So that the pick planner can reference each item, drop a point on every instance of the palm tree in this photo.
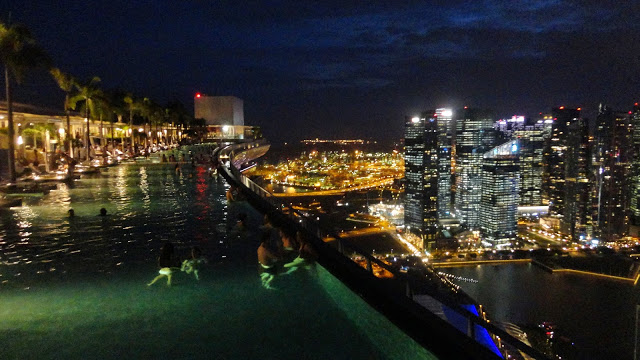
(178, 115)
(87, 93)
(18, 52)
(103, 110)
(66, 83)
(153, 114)
(134, 105)
(118, 110)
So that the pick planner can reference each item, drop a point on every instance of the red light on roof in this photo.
(561, 107)
(636, 104)
(630, 112)
(198, 95)
(579, 109)
(466, 107)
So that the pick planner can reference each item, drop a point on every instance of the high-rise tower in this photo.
(421, 173)
(530, 136)
(566, 171)
(635, 166)
(446, 131)
(611, 170)
(474, 136)
(499, 199)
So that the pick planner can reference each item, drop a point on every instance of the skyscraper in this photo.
(578, 176)
(611, 170)
(474, 136)
(446, 131)
(421, 173)
(566, 171)
(635, 166)
(498, 216)
(530, 136)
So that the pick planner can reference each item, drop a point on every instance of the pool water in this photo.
(75, 288)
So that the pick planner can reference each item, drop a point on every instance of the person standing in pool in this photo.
(307, 255)
(194, 264)
(167, 263)
(268, 259)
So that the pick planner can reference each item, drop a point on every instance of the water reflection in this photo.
(596, 313)
(146, 203)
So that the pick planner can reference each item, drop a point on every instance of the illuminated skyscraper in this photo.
(446, 131)
(421, 173)
(498, 216)
(611, 168)
(530, 136)
(567, 171)
(635, 166)
(474, 136)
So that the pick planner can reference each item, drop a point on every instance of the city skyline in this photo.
(324, 70)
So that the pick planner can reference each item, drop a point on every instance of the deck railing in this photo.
(393, 298)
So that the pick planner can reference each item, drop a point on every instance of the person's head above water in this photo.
(71, 213)
(103, 212)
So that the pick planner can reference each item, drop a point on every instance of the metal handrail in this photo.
(312, 226)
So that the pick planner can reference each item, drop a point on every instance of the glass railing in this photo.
(467, 319)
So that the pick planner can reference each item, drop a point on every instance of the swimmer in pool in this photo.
(167, 264)
(193, 265)
(267, 259)
(306, 255)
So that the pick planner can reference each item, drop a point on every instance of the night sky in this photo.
(335, 70)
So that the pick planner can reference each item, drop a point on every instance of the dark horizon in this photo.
(335, 70)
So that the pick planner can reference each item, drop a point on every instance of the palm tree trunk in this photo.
(102, 144)
(86, 114)
(69, 135)
(131, 129)
(12, 155)
(146, 137)
(113, 144)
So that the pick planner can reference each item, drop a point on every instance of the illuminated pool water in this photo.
(74, 288)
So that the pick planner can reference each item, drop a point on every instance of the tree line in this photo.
(20, 53)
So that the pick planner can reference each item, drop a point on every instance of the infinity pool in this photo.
(75, 288)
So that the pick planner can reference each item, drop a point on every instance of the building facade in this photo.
(634, 202)
(219, 110)
(612, 173)
(446, 130)
(530, 136)
(474, 136)
(498, 217)
(421, 173)
(567, 174)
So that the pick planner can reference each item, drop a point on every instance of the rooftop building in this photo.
(219, 110)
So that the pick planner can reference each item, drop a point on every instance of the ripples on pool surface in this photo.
(74, 288)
